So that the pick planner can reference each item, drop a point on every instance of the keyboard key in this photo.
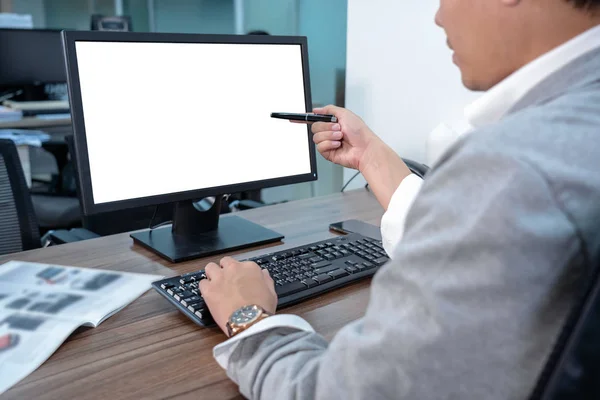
(306, 256)
(338, 273)
(352, 270)
(200, 313)
(190, 300)
(351, 263)
(196, 306)
(320, 264)
(167, 286)
(323, 278)
(314, 248)
(315, 259)
(183, 295)
(381, 260)
(325, 270)
(309, 283)
(329, 257)
(289, 288)
(368, 265)
(328, 244)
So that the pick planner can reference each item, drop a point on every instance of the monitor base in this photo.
(233, 233)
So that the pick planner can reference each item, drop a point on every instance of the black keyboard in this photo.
(299, 273)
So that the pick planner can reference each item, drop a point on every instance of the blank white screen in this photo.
(171, 117)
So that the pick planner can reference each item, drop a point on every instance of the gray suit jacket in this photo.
(488, 268)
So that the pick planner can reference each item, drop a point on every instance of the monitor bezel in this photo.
(89, 207)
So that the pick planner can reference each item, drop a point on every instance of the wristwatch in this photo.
(244, 317)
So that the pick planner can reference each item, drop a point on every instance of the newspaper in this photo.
(41, 305)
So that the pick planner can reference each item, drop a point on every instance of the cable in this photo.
(151, 227)
(351, 179)
(161, 224)
(153, 216)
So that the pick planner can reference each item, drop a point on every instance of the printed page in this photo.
(86, 296)
(41, 305)
(26, 341)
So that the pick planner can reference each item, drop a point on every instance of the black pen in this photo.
(306, 117)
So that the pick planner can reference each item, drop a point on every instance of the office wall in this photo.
(324, 24)
(400, 76)
(138, 11)
(36, 8)
(278, 17)
(201, 16)
(104, 7)
(67, 14)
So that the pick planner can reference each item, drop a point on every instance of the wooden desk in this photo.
(150, 350)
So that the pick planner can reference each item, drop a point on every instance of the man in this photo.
(486, 262)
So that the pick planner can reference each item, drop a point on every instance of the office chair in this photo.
(416, 168)
(18, 223)
(101, 22)
(572, 369)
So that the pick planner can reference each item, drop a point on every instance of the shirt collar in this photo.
(497, 102)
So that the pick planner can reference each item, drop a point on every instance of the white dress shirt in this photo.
(488, 109)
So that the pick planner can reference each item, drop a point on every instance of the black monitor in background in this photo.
(174, 118)
(31, 58)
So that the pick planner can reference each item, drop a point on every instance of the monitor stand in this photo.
(199, 233)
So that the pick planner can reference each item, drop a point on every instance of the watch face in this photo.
(245, 315)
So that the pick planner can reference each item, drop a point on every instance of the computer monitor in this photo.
(31, 56)
(163, 118)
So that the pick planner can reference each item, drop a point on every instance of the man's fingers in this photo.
(328, 145)
(329, 135)
(267, 276)
(330, 109)
(203, 286)
(213, 271)
(270, 282)
(227, 262)
(325, 126)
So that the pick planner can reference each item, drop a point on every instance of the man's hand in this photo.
(352, 144)
(234, 284)
(345, 142)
